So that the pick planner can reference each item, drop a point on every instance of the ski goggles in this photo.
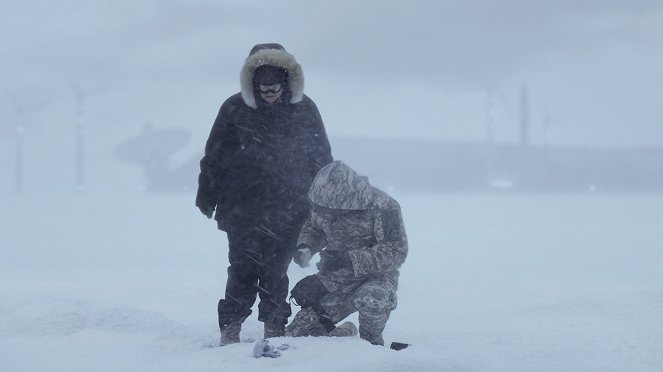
(270, 91)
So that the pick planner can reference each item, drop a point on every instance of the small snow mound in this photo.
(60, 316)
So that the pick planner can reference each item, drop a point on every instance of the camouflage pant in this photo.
(374, 300)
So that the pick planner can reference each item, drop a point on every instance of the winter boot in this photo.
(305, 323)
(347, 329)
(230, 334)
(274, 330)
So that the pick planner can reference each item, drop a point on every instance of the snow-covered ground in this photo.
(492, 283)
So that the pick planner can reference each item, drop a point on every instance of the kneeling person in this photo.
(358, 231)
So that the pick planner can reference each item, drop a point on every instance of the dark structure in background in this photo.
(412, 165)
(153, 150)
(434, 166)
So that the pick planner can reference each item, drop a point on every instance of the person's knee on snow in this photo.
(374, 302)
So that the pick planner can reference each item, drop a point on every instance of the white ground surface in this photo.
(492, 283)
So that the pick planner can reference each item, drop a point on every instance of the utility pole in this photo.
(490, 118)
(524, 117)
(19, 130)
(19, 159)
(489, 162)
(547, 127)
(79, 135)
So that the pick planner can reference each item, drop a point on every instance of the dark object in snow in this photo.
(264, 348)
(398, 345)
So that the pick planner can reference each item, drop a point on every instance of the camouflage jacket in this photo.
(374, 238)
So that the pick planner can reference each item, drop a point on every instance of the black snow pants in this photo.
(259, 257)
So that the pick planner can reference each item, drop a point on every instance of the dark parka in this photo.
(260, 159)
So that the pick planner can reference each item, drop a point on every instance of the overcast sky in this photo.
(433, 69)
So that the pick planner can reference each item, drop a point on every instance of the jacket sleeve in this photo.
(319, 149)
(390, 249)
(311, 235)
(211, 170)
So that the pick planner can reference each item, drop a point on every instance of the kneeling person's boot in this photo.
(274, 330)
(347, 329)
(230, 334)
(305, 323)
(375, 339)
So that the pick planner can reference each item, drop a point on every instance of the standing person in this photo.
(264, 149)
(359, 232)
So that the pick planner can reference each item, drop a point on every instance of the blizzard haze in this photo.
(98, 274)
(387, 69)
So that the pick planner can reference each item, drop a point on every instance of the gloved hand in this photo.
(207, 210)
(333, 260)
(303, 255)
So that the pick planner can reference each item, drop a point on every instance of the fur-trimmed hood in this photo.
(275, 55)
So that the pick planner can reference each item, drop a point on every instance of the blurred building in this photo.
(433, 166)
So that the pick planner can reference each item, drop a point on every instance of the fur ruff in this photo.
(274, 57)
